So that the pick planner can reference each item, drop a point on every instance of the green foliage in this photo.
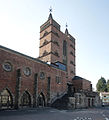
(101, 85)
(107, 85)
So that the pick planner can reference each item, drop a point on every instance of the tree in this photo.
(107, 85)
(101, 85)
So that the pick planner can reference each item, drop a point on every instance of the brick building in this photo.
(81, 84)
(42, 81)
(104, 96)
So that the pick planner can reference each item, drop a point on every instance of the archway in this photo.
(6, 100)
(92, 102)
(88, 102)
(41, 100)
(26, 99)
(70, 89)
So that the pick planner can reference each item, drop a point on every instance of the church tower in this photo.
(57, 47)
(49, 37)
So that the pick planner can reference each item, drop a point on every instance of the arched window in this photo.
(64, 48)
(48, 88)
(26, 99)
(6, 99)
(45, 33)
(41, 100)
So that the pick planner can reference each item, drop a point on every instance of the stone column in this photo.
(90, 102)
(18, 80)
(35, 90)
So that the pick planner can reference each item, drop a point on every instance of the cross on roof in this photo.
(50, 10)
(66, 25)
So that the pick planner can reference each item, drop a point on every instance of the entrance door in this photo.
(5, 99)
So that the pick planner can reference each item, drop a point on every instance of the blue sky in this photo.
(88, 22)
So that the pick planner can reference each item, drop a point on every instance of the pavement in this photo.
(54, 114)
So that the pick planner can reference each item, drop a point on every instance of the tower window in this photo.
(56, 34)
(71, 53)
(72, 39)
(45, 42)
(58, 79)
(45, 53)
(72, 46)
(72, 71)
(64, 48)
(55, 42)
(46, 33)
(56, 53)
(71, 62)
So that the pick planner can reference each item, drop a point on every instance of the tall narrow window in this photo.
(48, 89)
(64, 48)
(26, 99)
(18, 74)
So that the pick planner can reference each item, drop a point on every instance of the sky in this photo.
(88, 22)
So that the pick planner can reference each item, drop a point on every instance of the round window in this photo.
(27, 71)
(7, 66)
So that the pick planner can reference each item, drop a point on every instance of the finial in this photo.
(50, 10)
(50, 15)
(66, 25)
(66, 31)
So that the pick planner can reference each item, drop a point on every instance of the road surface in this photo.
(54, 114)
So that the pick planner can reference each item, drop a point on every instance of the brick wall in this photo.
(18, 61)
(81, 84)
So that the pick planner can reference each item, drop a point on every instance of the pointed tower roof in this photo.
(66, 30)
(50, 16)
(50, 22)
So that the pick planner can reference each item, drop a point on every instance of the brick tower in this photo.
(57, 47)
